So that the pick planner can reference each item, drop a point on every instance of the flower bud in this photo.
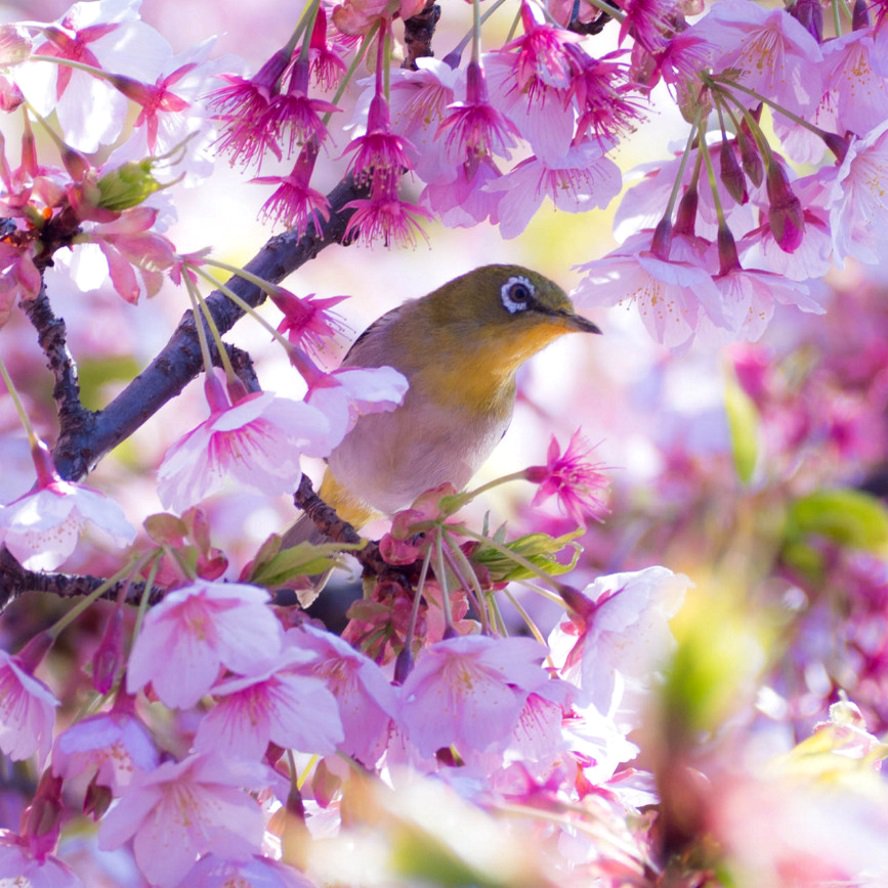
(785, 214)
(809, 14)
(108, 656)
(749, 155)
(860, 19)
(127, 186)
(97, 799)
(686, 218)
(661, 243)
(731, 174)
(728, 260)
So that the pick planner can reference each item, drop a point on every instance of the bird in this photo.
(459, 348)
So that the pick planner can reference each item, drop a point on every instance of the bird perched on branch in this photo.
(459, 348)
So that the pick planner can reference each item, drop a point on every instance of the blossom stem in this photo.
(309, 14)
(457, 50)
(676, 185)
(146, 595)
(468, 495)
(476, 31)
(230, 375)
(528, 620)
(441, 571)
(19, 407)
(133, 565)
(359, 55)
(199, 326)
(713, 185)
(837, 17)
(417, 600)
(468, 572)
(714, 80)
(607, 9)
(240, 303)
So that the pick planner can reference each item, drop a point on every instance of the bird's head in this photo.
(504, 313)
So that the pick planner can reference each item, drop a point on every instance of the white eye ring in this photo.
(516, 294)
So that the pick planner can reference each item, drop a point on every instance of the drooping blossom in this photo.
(19, 278)
(27, 711)
(668, 294)
(181, 810)
(584, 178)
(197, 630)
(469, 691)
(277, 704)
(136, 255)
(858, 201)
(351, 392)
(20, 865)
(572, 478)
(112, 748)
(308, 321)
(612, 650)
(367, 702)
(326, 65)
(41, 527)
(294, 203)
(357, 17)
(386, 219)
(256, 442)
(108, 35)
(240, 107)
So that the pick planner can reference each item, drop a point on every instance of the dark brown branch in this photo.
(418, 33)
(81, 446)
(326, 520)
(16, 580)
(52, 336)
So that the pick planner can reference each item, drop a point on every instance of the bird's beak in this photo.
(575, 322)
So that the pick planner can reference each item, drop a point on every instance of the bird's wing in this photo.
(368, 350)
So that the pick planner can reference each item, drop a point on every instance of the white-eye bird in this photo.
(459, 348)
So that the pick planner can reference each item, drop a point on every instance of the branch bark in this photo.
(87, 438)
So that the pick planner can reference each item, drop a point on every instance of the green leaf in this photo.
(849, 517)
(538, 548)
(274, 566)
(743, 424)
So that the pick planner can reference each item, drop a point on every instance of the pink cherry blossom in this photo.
(294, 203)
(41, 528)
(468, 199)
(278, 704)
(615, 647)
(129, 246)
(385, 218)
(107, 35)
(181, 810)
(197, 630)
(572, 478)
(27, 711)
(19, 865)
(367, 702)
(470, 692)
(773, 53)
(255, 872)
(256, 443)
(349, 393)
(858, 205)
(584, 178)
(667, 293)
(111, 748)
(19, 278)
(308, 322)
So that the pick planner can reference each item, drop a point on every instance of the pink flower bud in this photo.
(749, 155)
(860, 19)
(728, 260)
(731, 173)
(661, 242)
(785, 214)
(686, 217)
(108, 656)
(809, 14)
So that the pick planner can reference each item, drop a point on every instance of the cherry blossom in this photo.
(255, 442)
(181, 810)
(366, 700)
(195, 631)
(277, 704)
(618, 643)
(213, 871)
(469, 692)
(19, 865)
(27, 711)
(570, 477)
(41, 527)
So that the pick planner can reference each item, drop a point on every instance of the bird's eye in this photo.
(516, 294)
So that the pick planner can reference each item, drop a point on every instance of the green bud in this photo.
(127, 186)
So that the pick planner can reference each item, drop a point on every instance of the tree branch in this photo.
(81, 445)
(418, 33)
